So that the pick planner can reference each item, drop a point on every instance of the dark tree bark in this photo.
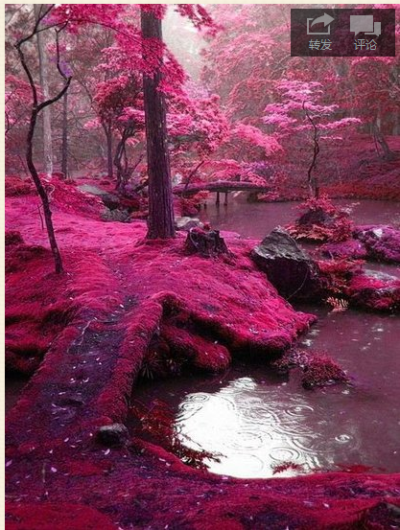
(120, 158)
(208, 243)
(35, 111)
(64, 145)
(161, 213)
(381, 145)
(109, 138)
(44, 83)
(312, 181)
(42, 193)
(191, 175)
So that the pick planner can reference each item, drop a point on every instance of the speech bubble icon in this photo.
(361, 23)
(377, 28)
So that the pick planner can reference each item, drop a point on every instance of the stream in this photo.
(255, 420)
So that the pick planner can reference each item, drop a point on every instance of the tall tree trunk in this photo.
(109, 153)
(381, 145)
(110, 161)
(43, 66)
(64, 146)
(312, 180)
(118, 162)
(161, 213)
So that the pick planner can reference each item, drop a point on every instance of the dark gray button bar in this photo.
(343, 32)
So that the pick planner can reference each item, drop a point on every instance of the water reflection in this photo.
(256, 420)
(256, 427)
(257, 220)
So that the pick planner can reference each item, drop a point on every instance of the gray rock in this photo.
(287, 266)
(121, 216)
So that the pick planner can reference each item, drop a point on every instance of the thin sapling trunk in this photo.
(35, 111)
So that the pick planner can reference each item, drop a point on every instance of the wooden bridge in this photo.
(221, 186)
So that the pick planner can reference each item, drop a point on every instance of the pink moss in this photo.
(15, 186)
(140, 325)
(157, 422)
(322, 371)
(375, 291)
(12, 237)
(83, 468)
(350, 249)
(120, 292)
(202, 353)
(55, 516)
(285, 466)
(338, 273)
(68, 198)
(362, 288)
(382, 242)
(321, 220)
(36, 311)
(318, 369)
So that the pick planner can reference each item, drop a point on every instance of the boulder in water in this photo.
(288, 267)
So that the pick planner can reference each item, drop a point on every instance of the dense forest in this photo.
(190, 203)
(234, 100)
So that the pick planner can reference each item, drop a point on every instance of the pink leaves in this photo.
(119, 101)
(256, 137)
(196, 121)
(299, 98)
(198, 15)
(75, 15)
(158, 10)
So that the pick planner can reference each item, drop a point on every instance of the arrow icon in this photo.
(326, 19)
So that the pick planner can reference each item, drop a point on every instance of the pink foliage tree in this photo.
(119, 103)
(197, 127)
(302, 115)
(138, 35)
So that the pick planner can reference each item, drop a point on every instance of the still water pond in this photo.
(257, 220)
(256, 419)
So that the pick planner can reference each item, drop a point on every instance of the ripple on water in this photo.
(311, 444)
(244, 383)
(351, 443)
(344, 438)
(246, 401)
(205, 404)
(243, 465)
(249, 440)
(286, 454)
(261, 416)
(198, 397)
(190, 407)
(299, 411)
